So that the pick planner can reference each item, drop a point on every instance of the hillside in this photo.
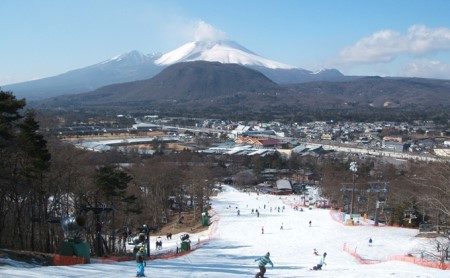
(211, 85)
(183, 82)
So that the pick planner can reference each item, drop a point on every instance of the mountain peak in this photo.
(132, 57)
(223, 51)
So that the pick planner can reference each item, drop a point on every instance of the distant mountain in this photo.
(181, 82)
(137, 66)
(297, 75)
(131, 66)
(212, 85)
(226, 52)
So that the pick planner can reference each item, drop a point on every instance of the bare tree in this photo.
(434, 178)
(198, 179)
(157, 180)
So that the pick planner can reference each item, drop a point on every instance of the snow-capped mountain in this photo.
(135, 66)
(131, 58)
(230, 52)
(223, 51)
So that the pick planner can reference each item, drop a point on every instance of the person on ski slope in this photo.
(321, 262)
(262, 261)
(140, 260)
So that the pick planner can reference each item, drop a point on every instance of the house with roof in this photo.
(283, 187)
(258, 142)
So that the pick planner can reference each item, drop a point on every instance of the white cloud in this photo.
(197, 30)
(205, 31)
(384, 46)
(426, 69)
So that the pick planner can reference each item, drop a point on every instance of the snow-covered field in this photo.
(234, 241)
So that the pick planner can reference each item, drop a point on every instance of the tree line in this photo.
(43, 180)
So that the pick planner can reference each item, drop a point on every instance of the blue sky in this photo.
(41, 38)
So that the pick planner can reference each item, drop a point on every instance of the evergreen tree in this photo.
(10, 115)
(33, 159)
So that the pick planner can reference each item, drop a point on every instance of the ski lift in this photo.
(362, 199)
(382, 199)
(387, 210)
(409, 214)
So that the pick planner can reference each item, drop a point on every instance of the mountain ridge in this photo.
(134, 65)
(211, 85)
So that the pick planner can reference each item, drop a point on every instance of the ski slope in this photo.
(234, 241)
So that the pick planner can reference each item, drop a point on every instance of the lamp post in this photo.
(353, 168)
(146, 230)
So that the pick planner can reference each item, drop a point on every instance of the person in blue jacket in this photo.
(262, 261)
(140, 261)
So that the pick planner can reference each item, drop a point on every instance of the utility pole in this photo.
(353, 168)
(349, 187)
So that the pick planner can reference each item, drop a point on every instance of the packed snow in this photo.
(218, 51)
(234, 240)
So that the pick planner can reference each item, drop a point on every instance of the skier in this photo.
(262, 261)
(169, 236)
(140, 260)
(158, 243)
(262, 230)
(370, 241)
(310, 223)
(321, 262)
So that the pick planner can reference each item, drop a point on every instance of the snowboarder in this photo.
(321, 262)
(140, 260)
(370, 241)
(262, 261)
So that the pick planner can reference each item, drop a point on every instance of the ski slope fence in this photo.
(409, 259)
(61, 260)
